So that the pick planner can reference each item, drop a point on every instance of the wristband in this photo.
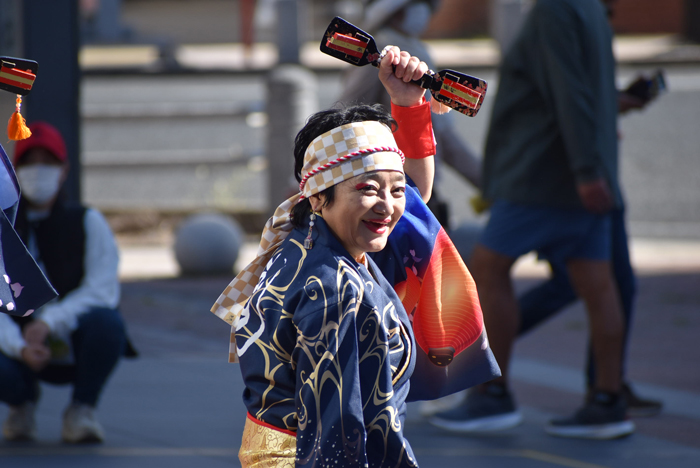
(415, 133)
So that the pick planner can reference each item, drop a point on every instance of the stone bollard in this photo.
(208, 244)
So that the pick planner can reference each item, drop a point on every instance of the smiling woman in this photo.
(325, 345)
(365, 212)
(321, 303)
(363, 166)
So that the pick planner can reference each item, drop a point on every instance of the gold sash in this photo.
(264, 447)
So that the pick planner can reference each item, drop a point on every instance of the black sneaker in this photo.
(639, 407)
(603, 416)
(486, 409)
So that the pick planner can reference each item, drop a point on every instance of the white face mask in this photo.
(416, 17)
(39, 182)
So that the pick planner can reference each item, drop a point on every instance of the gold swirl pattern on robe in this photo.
(263, 447)
(302, 348)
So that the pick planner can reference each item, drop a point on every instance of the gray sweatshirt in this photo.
(554, 121)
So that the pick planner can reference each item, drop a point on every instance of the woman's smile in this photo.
(365, 210)
(378, 226)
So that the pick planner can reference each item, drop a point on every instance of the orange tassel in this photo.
(17, 127)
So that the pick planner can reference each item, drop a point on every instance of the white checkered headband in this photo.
(348, 151)
(335, 156)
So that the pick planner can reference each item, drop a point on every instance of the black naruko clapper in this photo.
(461, 92)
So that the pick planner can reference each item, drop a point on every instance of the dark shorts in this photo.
(556, 234)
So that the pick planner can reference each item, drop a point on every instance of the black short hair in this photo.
(320, 123)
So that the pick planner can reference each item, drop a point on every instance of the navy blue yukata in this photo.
(326, 351)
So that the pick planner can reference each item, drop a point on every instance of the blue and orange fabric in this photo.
(440, 296)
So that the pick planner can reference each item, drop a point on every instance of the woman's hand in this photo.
(397, 70)
(595, 196)
(36, 356)
(36, 332)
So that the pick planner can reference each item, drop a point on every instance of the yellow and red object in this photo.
(347, 44)
(17, 78)
(460, 93)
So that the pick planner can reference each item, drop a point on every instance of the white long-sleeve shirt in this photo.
(98, 288)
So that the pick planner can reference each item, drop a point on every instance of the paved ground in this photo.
(179, 403)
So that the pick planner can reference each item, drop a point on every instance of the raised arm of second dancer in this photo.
(397, 70)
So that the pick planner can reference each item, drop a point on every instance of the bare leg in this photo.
(594, 283)
(491, 272)
(603, 414)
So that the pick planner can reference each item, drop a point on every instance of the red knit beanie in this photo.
(44, 135)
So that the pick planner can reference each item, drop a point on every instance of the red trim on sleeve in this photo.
(415, 133)
(270, 426)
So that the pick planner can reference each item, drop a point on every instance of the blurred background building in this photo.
(455, 19)
(175, 111)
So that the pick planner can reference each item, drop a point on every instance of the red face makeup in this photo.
(365, 210)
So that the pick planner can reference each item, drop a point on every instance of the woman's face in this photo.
(365, 210)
